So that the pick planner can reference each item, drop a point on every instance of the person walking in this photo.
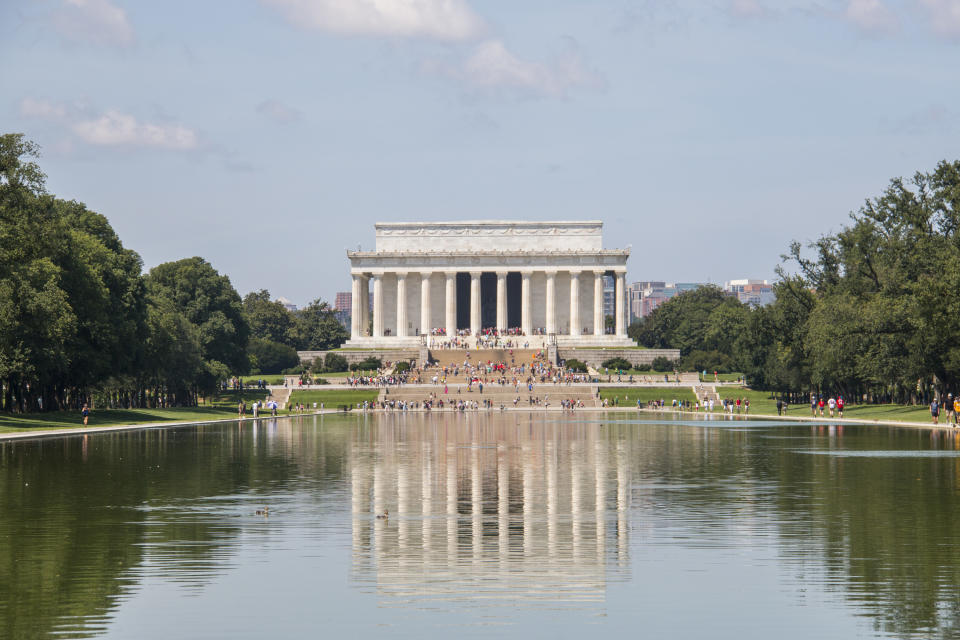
(813, 405)
(840, 405)
(85, 413)
(935, 411)
(832, 404)
(779, 406)
(956, 410)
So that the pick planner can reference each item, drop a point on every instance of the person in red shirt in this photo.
(840, 404)
(820, 404)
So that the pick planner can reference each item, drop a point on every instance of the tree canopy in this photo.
(80, 320)
(869, 310)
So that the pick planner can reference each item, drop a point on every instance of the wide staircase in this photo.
(452, 359)
(281, 395)
(705, 393)
(505, 396)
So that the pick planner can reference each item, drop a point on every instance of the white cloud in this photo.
(871, 15)
(492, 65)
(32, 108)
(278, 111)
(112, 128)
(120, 129)
(96, 21)
(944, 16)
(438, 19)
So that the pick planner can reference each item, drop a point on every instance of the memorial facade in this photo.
(537, 281)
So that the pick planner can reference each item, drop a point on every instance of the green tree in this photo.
(268, 319)
(211, 304)
(267, 356)
(316, 328)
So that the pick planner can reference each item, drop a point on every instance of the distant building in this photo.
(755, 293)
(609, 296)
(343, 301)
(289, 306)
(645, 296)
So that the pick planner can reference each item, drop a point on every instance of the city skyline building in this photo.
(755, 293)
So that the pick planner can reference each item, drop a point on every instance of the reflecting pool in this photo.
(514, 524)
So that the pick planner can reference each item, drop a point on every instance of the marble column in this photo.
(475, 303)
(378, 305)
(575, 327)
(355, 308)
(621, 293)
(551, 302)
(502, 300)
(526, 313)
(598, 319)
(451, 304)
(425, 326)
(364, 305)
(401, 304)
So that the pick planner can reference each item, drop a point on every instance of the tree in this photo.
(268, 319)
(315, 328)
(210, 303)
(267, 356)
(334, 363)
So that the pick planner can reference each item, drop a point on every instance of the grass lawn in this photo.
(764, 402)
(722, 377)
(230, 399)
(629, 395)
(268, 378)
(333, 398)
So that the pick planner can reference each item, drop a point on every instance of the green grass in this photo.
(268, 378)
(723, 377)
(629, 395)
(15, 423)
(333, 398)
(230, 399)
(764, 402)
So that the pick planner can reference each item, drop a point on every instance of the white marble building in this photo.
(542, 278)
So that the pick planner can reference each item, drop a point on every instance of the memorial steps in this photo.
(456, 357)
(499, 395)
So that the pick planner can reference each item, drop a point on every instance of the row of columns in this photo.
(361, 284)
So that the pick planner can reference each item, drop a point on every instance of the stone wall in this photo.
(357, 355)
(594, 357)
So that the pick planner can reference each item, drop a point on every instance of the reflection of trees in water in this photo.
(476, 502)
(886, 528)
(86, 518)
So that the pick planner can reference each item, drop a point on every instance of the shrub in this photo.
(271, 357)
(575, 365)
(642, 367)
(334, 363)
(368, 364)
(708, 361)
(621, 364)
(660, 363)
(402, 367)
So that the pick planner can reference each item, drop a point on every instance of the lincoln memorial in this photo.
(434, 280)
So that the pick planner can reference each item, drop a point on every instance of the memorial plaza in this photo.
(438, 284)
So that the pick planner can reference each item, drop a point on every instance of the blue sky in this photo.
(269, 135)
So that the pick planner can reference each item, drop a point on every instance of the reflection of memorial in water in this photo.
(520, 511)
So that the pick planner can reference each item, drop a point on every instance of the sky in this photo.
(268, 136)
